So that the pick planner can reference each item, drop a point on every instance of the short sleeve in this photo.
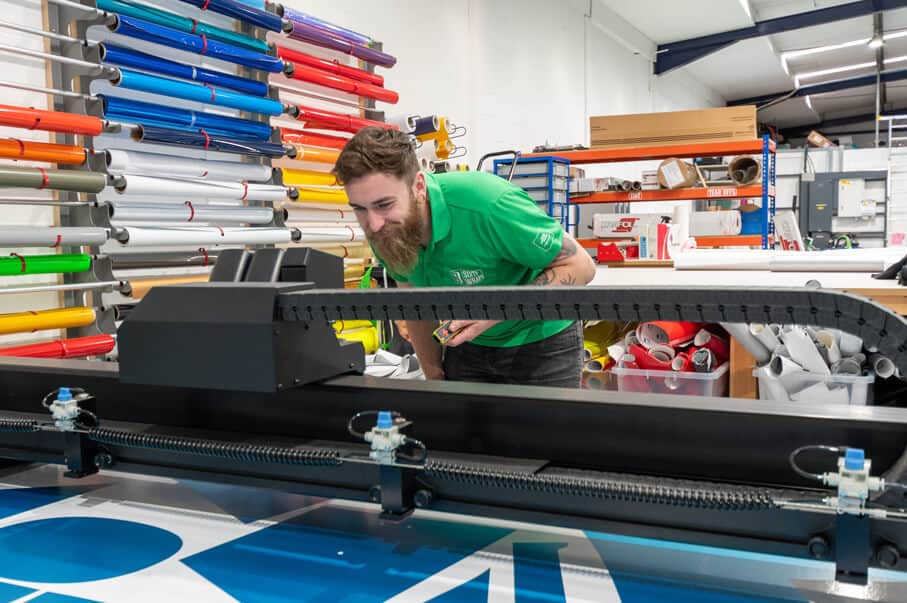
(522, 233)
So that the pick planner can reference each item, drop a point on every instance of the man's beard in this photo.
(399, 244)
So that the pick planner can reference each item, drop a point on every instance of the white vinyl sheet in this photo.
(304, 214)
(134, 184)
(338, 234)
(211, 236)
(803, 351)
(138, 212)
(153, 164)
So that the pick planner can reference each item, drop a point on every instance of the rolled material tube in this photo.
(41, 320)
(152, 114)
(149, 164)
(134, 80)
(173, 38)
(349, 34)
(367, 337)
(338, 82)
(847, 366)
(597, 364)
(425, 125)
(323, 196)
(242, 12)
(791, 375)
(64, 154)
(319, 119)
(204, 235)
(138, 212)
(335, 234)
(79, 347)
(64, 180)
(293, 177)
(51, 236)
(592, 349)
(319, 37)
(830, 341)
(850, 345)
(209, 189)
(157, 16)
(301, 214)
(171, 136)
(44, 264)
(314, 154)
(765, 335)
(314, 139)
(50, 121)
(803, 351)
(304, 58)
(350, 325)
(139, 288)
(126, 57)
(882, 366)
(744, 170)
(141, 261)
(742, 334)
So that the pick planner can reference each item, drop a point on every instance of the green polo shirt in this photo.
(487, 232)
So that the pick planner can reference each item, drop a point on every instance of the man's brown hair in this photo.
(375, 149)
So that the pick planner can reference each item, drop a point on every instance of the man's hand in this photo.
(468, 330)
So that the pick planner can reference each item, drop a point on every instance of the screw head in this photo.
(888, 556)
(818, 547)
(374, 494)
(423, 498)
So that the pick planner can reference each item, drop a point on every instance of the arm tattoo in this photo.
(568, 249)
(545, 277)
(568, 280)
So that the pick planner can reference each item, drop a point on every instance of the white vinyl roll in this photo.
(766, 335)
(44, 236)
(715, 223)
(742, 334)
(850, 345)
(791, 375)
(335, 234)
(208, 189)
(152, 164)
(140, 212)
(210, 236)
(304, 214)
(830, 340)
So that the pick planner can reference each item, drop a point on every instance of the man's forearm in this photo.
(571, 266)
(428, 351)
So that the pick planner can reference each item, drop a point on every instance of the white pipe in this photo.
(741, 333)
(882, 366)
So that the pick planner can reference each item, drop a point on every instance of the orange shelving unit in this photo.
(766, 191)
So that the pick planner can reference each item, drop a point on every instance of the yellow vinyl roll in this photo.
(352, 325)
(40, 320)
(337, 196)
(355, 249)
(354, 271)
(367, 337)
(593, 349)
(141, 286)
(293, 177)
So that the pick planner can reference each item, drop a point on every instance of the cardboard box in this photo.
(817, 140)
(723, 124)
(674, 173)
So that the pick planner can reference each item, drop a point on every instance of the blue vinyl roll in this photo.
(165, 36)
(259, 4)
(125, 57)
(132, 111)
(135, 80)
(241, 11)
(212, 143)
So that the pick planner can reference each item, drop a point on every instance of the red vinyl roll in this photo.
(646, 361)
(296, 56)
(318, 119)
(667, 332)
(51, 121)
(719, 347)
(314, 139)
(79, 347)
(344, 84)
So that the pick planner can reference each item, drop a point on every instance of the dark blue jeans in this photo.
(556, 361)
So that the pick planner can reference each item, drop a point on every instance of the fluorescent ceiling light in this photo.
(853, 67)
(790, 54)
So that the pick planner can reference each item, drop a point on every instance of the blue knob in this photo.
(64, 395)
(854, 459)
(385, 420)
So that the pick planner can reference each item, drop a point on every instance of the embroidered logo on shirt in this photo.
(467, 277)
(543, 240)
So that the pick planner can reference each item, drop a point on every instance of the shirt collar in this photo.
(440, 215)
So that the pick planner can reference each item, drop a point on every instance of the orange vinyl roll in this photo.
(13, 148)
(314, 139)
(141, 287)
(306, 153)
(51, 121)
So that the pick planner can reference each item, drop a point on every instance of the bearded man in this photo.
(466, 229)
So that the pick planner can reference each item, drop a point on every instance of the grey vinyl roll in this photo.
(141, 212)
(63, 180)
(49, 236)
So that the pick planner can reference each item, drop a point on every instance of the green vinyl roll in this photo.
(64, 180)
(44, 264)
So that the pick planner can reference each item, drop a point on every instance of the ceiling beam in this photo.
(803, 130)
(823, 88)
(677, 54)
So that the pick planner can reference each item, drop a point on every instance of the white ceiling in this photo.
(755, 67)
